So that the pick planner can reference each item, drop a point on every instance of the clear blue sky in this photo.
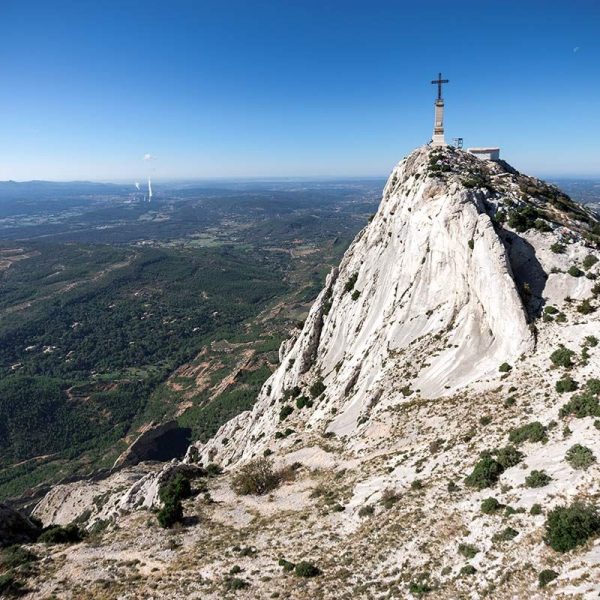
(291, 87)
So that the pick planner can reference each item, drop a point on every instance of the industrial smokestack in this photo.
(149, 190)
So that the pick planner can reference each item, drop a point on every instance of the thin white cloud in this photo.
(148, 156)
(576, 49)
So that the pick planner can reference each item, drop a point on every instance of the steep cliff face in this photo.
(424, 302)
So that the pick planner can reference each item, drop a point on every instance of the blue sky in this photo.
(291, 88)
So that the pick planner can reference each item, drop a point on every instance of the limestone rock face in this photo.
(425, 301)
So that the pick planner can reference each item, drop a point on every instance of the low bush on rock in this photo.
(306, 569)
(562, 357)
(566, 384)
(546, 576)
(490, 506)
(537, 479)
(531, 432)
(467, 550)
(581, 405)
(485, 473)
(256, 478)
(505, 535)
(56, 534)
(580, 457)
(570, 526)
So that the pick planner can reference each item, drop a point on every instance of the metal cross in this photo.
(439, 82)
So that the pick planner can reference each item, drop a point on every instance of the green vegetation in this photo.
(306, 569)
(558, 248)
(171, 493)
(584, 404)
(285, 411)
(566, 384)
(531, 432)
(505, 535)
(485, 473)
(317, 388)
(589, 261)
(536, 509)
(467, 550)
(562, 357)
(504, 367)
(546, 576)
(508, 456)
(585, 307)
(580, 457)
(256, 478)
(570, 526)
(575, 271)
(537, 479)
(490, 506)
(56, 534)
(349, 285)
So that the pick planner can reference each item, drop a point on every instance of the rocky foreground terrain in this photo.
(432, 431)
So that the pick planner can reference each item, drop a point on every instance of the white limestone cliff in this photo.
(424, 301)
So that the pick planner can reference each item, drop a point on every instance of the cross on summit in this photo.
(438, 126)
(439, 82)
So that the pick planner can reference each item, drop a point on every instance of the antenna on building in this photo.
(458, 143)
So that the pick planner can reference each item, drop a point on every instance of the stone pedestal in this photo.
(438, 126)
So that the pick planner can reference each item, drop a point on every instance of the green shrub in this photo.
(349, 286)
(303, 401)
(532, 432)
(546, 576)
(256, 477)
(355, 295)
(471, 244)
(589, 261)
(285, 411)
(16, 556)
(593, 385)
(467, 550)
(178, 488)
(485, 473)
(508, 456)
(235, 583)
(419, 588)
(505, 535)
(366, 511)
(504, 367)
(56, 534)
(580, 457)
(286, 565)
(558, 248)
(591, 340)
(562, 357)
(575, 271)
(213, 470)
(536, 509)
(566, 384)
(537, 479)
(306, 569)
(570, 526)
(585, 307)
(490, 506)
(550, 310)
(170, 513)
(581, 405)
(317, 388)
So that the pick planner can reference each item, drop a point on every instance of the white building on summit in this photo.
(438, 126)
(486, 153)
